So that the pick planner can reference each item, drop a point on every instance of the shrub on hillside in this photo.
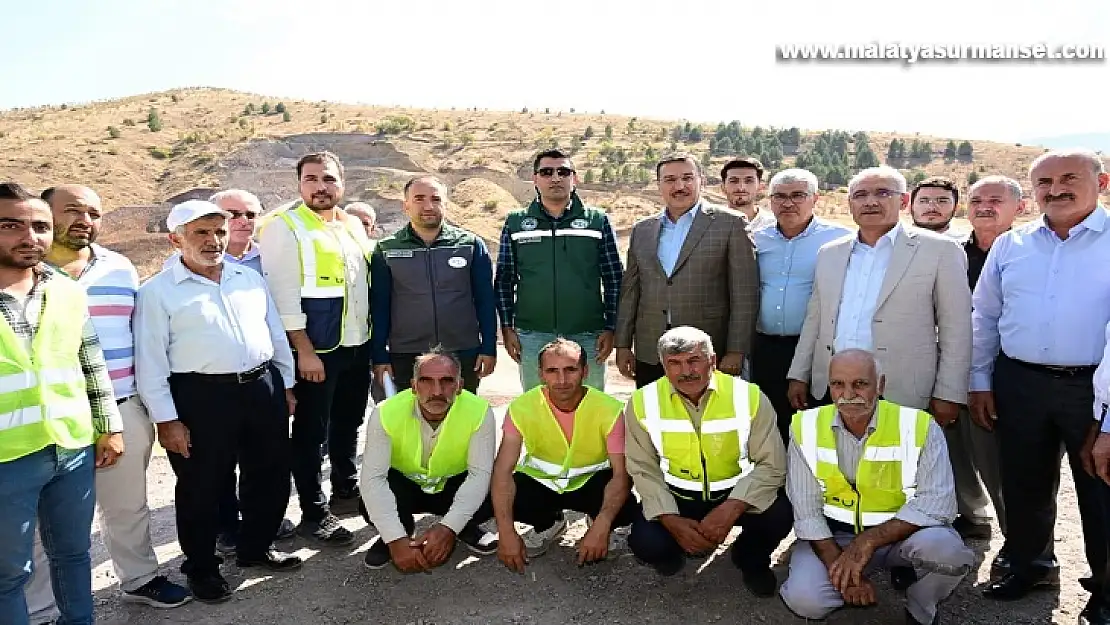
(396, 124)
(286, 116)
(280, 107)
(265, 108)
(154, 120)
(114, 132)
(128, 122)
(160, 153)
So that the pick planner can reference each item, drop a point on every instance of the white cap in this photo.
(192, 210)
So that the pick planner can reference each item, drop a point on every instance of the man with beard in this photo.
(741, 182)
(1041, 308)
(110, 282)
(214, 369)
(787, 263)
(52, 436)
(693, 264)
(366, 214)
(432, 286)
(558, 273)
(871, 488)
(315, 258)
(933, 204)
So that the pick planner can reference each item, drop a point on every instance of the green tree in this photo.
(724, 146)
(917, 177)
(248, 109)
(153, 120)
(589, 177)
(280, 107)
(964, 150)
(950, 150)
(265, 108)
(608, 131)
(286, 116)
(865, 157)
(695, 135)
(973, 177)
(589, 132)
(706, 159)
(607, 174)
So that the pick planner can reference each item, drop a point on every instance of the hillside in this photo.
(143, 152)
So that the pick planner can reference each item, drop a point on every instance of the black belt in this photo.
(1056, 370)
(235, 378)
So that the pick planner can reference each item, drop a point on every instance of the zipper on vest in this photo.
(431, 273)
(554, 276)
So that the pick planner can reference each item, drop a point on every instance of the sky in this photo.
(699, 60)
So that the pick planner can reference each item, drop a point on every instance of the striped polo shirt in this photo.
(110, 280)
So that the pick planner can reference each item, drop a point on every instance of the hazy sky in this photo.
(684, 59)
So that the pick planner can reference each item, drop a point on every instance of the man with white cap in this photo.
(213, 407)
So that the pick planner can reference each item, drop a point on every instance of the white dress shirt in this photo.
(1102, 385)
(186, 323)
(860, 295)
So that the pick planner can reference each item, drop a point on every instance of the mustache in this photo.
(857, 401)
(689, 377)
(1063, 196)
(30, 248)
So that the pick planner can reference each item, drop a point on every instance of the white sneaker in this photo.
(537, 543)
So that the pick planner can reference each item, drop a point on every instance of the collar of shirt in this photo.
(688, 216)
(838, 424)
(182, 273)
(251, 253)
(710, 389)
(889, 237)
(1095, 221)
(776, 232)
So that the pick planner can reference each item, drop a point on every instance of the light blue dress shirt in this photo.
(786, 268)
(862, 282)
(252, 258)
(671, 237)
(1041, 299)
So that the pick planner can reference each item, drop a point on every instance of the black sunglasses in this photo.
(547, 172)
(247, 214)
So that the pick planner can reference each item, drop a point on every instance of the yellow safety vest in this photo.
(42, 394)
(547, 457)
(452, 447)
(887, 473)
(323, 276)
(713, 460)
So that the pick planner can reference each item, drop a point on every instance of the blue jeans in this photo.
(52, 488)
(532, 342)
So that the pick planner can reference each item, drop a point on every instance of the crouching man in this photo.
(872, 487)
(573, 441)
(429, 449)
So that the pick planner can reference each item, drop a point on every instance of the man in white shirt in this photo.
(214, 368)
(742, 182)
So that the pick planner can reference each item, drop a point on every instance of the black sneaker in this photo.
(273, 560)
(377, 557)
(209, 588)
(478, 541)
(286, 531)
(762, 581)
(326, 531)
(345, 502)
(159, 593)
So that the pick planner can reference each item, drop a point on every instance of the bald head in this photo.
(365, 213)
(77, 211)
(855, 383)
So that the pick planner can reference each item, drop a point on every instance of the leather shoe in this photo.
(209, 587)
(902, 577)
(762, 582)
(1014, 586)
(1097, 612)
(910, 620)
(273, 560)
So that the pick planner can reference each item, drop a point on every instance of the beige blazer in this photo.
(921, 330)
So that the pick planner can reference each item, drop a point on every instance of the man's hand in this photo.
(1100, 456)
(512, 343)
(379, 375)
(174, 436)
(604, 346)
(847, 571)
(594, 546)
(109, 447)
(731, 363)
(944, 412)
(510, 550)
(797, 392)
(626, 362)
(310, 367)
(981, 406)
(686, 533)
(860, 595)
(406, 558)
(437, 544)
(484, 365)
(717, 524)
(291, 401)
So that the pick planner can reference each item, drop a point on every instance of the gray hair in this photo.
(180, 230)
(433, 354)
(245, 196)
(1013, 186)
(683, 340)
(364, 207)
(794, 174)
(861, 353)
(882, 171)
(1092, 158)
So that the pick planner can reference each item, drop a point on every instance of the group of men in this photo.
(791, 374)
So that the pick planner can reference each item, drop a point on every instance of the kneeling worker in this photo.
(429, 449)
(705, 455)
(573, 439)
(871, 484)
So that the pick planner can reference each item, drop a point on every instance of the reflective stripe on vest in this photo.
(323, 268)
(739, 422)
(562, 232)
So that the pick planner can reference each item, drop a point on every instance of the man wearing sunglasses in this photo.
(558, 273)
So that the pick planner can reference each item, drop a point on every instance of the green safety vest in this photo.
(548, 458)
(452, 448)
(887, 473)
(714, 459)
(323, 276)
(42, 394)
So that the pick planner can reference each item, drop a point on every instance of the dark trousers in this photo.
(771, 356)
(1036, 411)
(411, 500)
(404, 364)
(230, 423)
(762, 533)
(541, 507)
(331, 410)
(646, 373)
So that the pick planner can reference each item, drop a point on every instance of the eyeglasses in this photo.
(547, 172)
(882, 194)
(247, 214)
(796, 197)
(939, 201)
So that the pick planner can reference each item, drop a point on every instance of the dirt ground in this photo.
(334, 587)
